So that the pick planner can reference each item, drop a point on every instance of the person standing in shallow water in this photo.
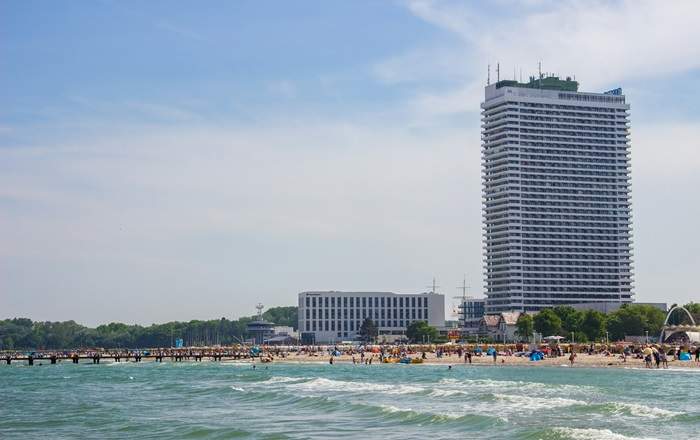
(572, 358)
(495, 355)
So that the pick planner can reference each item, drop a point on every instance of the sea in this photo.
(320, 401)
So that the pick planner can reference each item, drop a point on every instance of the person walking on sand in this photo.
(572, 358)
(697, 354)
(495, 355)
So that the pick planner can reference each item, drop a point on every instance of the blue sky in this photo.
(178, 160)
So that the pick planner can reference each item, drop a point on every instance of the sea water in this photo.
(300, 401)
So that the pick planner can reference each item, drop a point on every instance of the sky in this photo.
(174, 160)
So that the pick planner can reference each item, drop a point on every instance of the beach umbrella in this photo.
(554, 338)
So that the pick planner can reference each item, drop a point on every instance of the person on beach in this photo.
(697, 354)
(664, 358)
(495, 355)
(657, 357)
(572, 358)
(331, 360)
(469, 356)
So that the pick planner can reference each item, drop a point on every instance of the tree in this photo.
(419, 331)
(635, 320)
(570, 319)
(369, 330)
(593, 324)
(288, 316)
(525, 325)
(547, 323)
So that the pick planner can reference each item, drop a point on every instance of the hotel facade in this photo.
(556, 195)
(331, 317)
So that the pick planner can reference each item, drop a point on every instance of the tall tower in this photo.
(556, 195)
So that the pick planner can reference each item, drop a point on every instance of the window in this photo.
(308, 302)
(364, 302)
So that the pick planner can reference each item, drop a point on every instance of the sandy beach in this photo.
(582, 360)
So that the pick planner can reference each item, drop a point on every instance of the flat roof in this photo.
(545, 83)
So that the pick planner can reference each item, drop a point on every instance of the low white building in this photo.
(332, 317)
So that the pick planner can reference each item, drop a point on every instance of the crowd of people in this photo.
(653, 355)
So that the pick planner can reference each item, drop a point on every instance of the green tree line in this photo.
(25, 334)
(592, 325)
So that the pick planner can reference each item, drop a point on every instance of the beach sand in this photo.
(582, 360)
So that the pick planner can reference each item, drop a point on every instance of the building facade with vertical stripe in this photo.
(556, 195)
(331, 316)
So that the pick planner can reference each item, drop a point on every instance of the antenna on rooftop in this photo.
(539, 71)
(514, 77)
(521, 74)
(260, 308)
(464, 288)
(488, 74)
(498, 72)
(433, 287)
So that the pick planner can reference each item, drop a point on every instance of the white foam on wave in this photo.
(447, 393)
(594, 434)
(537, 403)
(282, 379)
(392, 409)
(500, 385)
(323, 384)
(640, 410)
(234, 388)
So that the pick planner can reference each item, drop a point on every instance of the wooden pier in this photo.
(123, 357)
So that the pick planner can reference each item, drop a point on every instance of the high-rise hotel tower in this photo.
(556, 195)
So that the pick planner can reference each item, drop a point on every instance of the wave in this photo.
(237, 389)
(325, 385)
(521, 385)
(447, 393)
(538, 403)
(591, 434)
(639, 410)
(283, 379)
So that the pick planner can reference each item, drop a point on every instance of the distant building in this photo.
(282, 335)
(333, 317)
(556, 195)
(260, 329)
(489, 326)
(501, 327)
(471, 310)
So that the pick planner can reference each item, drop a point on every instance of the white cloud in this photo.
(603, 44)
